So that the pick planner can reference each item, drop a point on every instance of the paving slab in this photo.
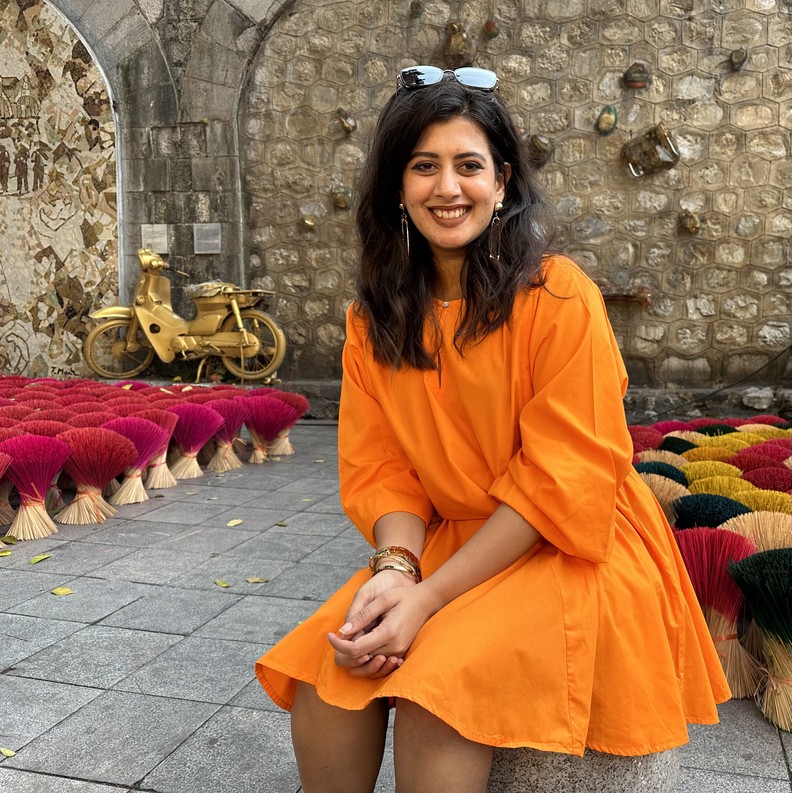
(151, 566)
(323, 523)
(171, 610)
(204, 670)
(116, 738)
(207, 540)
(30, 707)
(342, 551)
(22, 636)
(260, 620)
(21, 585)
(329, 504)
(218, 496)
(14, 781)
(253, 696)
(186, 513)
(92, 599)
(238, 750)
(281, 546)
(313, 485)
(69, 558)
(233, 570)
(743, 743)
(305, 581)
(96, 656)
(135, 533)
(694, 780)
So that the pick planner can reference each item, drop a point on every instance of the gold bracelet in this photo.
(397, 559)
(400, 569)
(396, 550)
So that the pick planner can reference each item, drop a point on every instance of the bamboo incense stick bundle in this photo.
(234, 412)
(281, 444)
(197, 424)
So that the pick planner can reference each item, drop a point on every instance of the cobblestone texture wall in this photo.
(720, 299)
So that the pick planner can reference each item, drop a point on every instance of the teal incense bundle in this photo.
(765, 579)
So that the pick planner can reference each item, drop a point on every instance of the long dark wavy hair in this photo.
(395, 289)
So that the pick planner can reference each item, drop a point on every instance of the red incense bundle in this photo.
(148, 438)
(234, 413)
(97, 456)
(16, 411)
(268, 416)
(707, 554)
(158, 475)
(35, 460)
(281, 444)
(197, 424)
(7, 512)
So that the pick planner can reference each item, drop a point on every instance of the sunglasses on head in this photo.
(471, 77)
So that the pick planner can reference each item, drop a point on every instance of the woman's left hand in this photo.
(398, 615)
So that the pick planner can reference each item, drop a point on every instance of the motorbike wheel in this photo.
(105, 351)
(273, 346)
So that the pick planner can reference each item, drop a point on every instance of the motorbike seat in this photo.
(208, 289)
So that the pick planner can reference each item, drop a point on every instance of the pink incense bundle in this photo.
(129, 408)
(95, 418)
(197, 424)
(97, 456)
(131, 385)
(234, 413)
(148, 438)
(771, 478)
(268, 417)
(32, 425)
(35, 460)
(707, 554)
(75, 398)
(7, 512)
(158, 475)
(281, 444)
(647, 437)
(774, 448)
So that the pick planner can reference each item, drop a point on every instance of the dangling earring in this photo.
(494, 238)
(405, 228)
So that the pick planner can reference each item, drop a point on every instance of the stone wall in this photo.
(718, 304)
(254, 115)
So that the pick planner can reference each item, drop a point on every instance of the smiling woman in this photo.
(526, 590)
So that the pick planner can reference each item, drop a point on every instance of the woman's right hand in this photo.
(366, 665)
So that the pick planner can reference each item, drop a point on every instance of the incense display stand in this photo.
(518, 770)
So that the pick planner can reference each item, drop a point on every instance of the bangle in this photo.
(395, 550)
(405, 560)
(400, 569)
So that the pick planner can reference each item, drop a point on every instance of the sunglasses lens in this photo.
(417, 76)
(476, 78)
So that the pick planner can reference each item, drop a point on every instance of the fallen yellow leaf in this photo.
(62, 590)
(127, 387)
(254, 580)
(9, 539)
(40, 558)
(7, 752)
(306, 499)
(221, 583)
(318, 461)
(5, 553)
(234, 522)
(281, 523)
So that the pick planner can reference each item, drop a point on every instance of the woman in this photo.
(526, 590)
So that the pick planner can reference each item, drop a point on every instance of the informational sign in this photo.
(207, 238)
(154, 236)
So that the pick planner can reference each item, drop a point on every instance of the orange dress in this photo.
(594, 638)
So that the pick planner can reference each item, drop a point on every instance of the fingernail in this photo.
(346, 628)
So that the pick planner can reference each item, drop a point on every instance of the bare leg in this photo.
(431, 757)
(337, 750)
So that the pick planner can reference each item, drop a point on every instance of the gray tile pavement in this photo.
(143, 678)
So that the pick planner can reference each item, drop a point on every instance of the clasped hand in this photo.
(383, 620)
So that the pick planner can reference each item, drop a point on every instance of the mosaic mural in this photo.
(58, 221)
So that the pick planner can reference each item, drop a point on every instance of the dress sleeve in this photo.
(376, 475)
(575, 449)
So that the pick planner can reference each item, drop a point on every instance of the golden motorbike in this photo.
(227, 324)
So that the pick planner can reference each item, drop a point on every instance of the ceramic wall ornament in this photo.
(491, 29)
(637, 76)
(342, 197)
(539, 149)
(460, 47)
(347, 121)
(606, 120)
(738, 58)
(689, 222)
(416, 8)
(650, 152)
